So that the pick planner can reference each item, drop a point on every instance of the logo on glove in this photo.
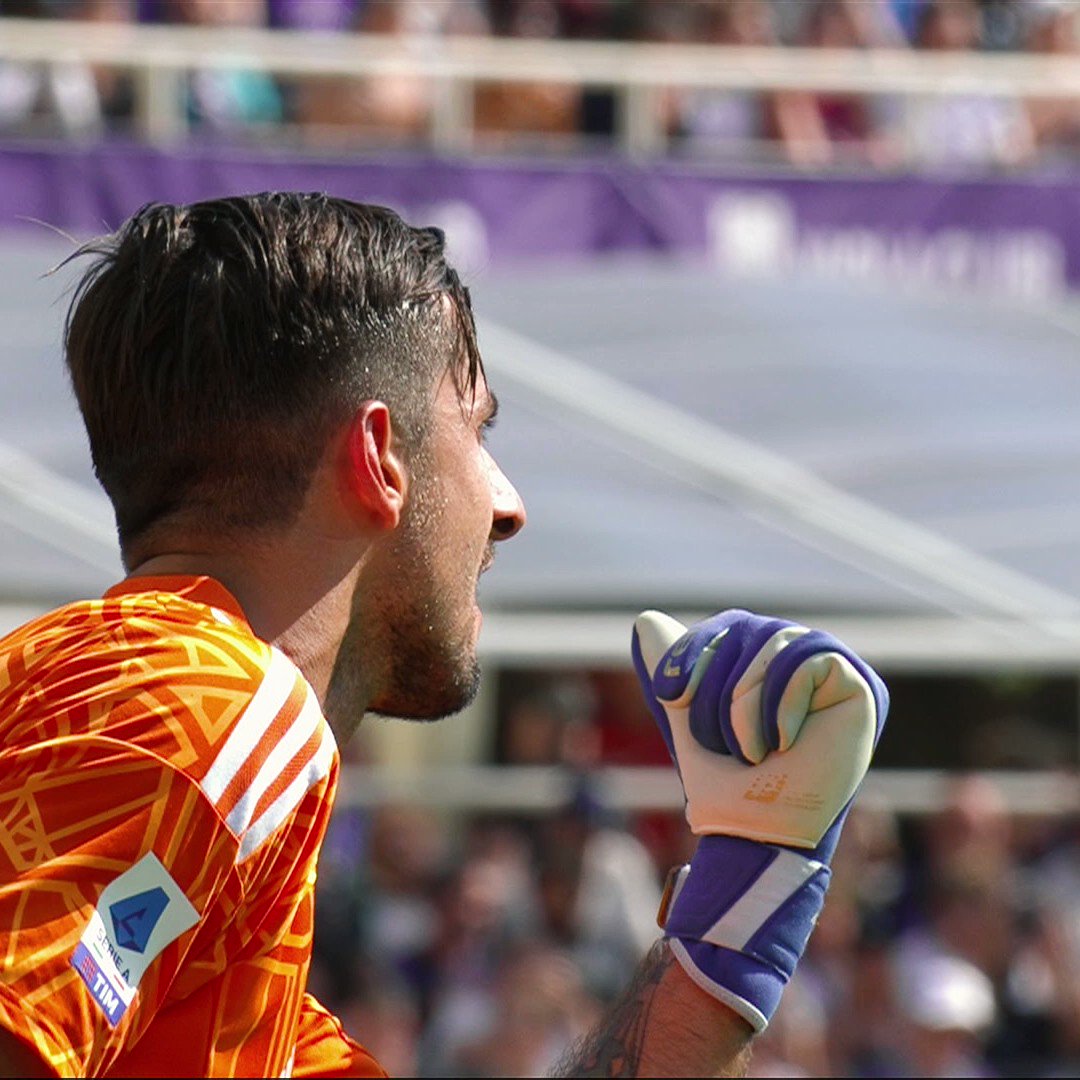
(671, 669)
(766, 788)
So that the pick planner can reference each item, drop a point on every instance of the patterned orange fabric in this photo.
(323, 1048)
(165, 784)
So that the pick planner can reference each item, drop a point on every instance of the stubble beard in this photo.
(412, 632)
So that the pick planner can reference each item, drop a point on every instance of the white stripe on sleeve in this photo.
(265, 704)
(289, 799)
(300, 730)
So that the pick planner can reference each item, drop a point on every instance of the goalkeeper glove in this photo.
(771, 727)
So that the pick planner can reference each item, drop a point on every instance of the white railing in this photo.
(538, 790)
(160, 55)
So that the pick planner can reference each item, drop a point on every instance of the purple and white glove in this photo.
(771, 726)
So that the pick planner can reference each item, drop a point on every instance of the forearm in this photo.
(663, 1025)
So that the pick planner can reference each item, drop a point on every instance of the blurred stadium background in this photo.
(780, 300)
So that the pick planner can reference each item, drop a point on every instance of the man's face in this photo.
(415, 617)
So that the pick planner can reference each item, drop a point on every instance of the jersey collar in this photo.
(198, 588)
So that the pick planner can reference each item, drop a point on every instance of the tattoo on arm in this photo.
(663, 1025)
(615, 1048)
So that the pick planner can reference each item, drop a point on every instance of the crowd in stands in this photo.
(801, 128)
(484, 945)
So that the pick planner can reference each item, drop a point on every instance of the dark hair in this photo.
(215, 348)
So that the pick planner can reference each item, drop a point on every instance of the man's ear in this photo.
(377, 478)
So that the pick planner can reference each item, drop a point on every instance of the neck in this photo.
(296, 601)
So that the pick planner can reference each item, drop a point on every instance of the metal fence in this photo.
(159, 56)
(536, 790)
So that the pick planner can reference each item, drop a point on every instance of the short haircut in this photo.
(214, 349)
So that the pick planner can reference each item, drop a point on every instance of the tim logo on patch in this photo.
(137, 915)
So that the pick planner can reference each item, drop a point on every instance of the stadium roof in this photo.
(904, 468)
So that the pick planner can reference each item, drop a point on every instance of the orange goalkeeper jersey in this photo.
(165, 784)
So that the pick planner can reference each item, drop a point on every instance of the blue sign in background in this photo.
(1012, 234)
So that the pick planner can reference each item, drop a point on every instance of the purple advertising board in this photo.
(1017, 236)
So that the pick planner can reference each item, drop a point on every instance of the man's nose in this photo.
(508, 511)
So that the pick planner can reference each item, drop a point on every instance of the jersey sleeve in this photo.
(115, 870)
(324, 1049)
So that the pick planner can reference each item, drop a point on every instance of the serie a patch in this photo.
(137, 915)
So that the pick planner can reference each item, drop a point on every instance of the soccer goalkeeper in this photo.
(286, 405)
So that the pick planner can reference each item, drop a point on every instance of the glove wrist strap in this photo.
(743, 912)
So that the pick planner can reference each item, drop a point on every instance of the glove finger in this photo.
(652, 637)
(717, 720)
(751, 730)
(812, 674)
